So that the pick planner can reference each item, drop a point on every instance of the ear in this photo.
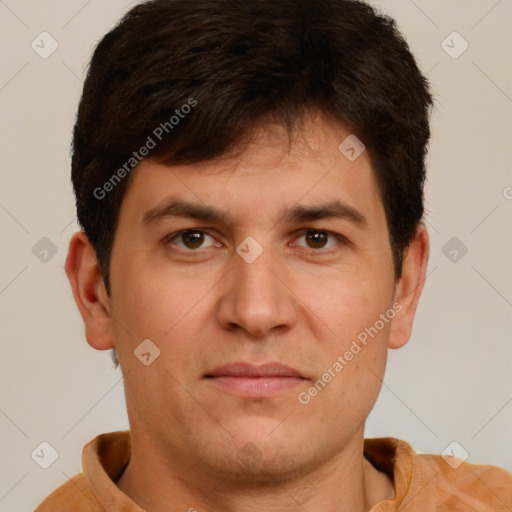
(409, 287)
(89, 291)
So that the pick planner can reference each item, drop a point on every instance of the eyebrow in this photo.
(296, 214)
(332, 209)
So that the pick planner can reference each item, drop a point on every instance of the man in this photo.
(249, 179)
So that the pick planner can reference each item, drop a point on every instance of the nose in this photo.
(256, 297)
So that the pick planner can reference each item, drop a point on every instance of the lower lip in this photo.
(256, 386)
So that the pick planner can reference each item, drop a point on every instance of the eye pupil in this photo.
(316, 238)
(193, 239)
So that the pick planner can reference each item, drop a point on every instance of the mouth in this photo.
(255, 381)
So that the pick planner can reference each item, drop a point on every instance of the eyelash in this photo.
(343, 241)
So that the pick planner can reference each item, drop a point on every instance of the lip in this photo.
(243, 369)
(256, 381)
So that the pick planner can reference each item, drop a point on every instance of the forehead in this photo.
(268, 175)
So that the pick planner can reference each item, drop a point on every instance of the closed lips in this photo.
(242, 369)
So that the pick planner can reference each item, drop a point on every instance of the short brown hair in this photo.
(244, 63)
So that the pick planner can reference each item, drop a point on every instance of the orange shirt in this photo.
(423, 483)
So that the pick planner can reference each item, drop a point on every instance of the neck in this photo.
(345, 482)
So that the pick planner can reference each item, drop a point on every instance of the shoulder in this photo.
(75, 494)
(458, 485)
(438, 482)
(103, 460)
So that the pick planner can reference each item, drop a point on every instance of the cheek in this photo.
(355, 354)
(165, 305)
(144, 303)
(359, 316)
(349, 306)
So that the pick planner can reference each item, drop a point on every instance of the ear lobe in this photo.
(89, 292)
(409, 287)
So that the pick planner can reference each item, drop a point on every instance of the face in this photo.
(274, 257)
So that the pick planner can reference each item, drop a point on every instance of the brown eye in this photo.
(197, 241)
(319, 241)
(316, 239)
(192, 239)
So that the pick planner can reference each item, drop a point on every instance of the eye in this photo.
(318, 239)
(191, 239)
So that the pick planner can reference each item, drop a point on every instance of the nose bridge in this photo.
(256, 280)
(256, 300)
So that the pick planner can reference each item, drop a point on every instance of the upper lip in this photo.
(243, 369)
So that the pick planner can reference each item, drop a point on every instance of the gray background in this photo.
(452, 382)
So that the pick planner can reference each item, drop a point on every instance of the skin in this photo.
(298, 303)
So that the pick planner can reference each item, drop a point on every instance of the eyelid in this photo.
(169, 238)
(339, 237)
(207, 231)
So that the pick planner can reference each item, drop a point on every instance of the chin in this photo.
(249, 465)
(261, 454)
